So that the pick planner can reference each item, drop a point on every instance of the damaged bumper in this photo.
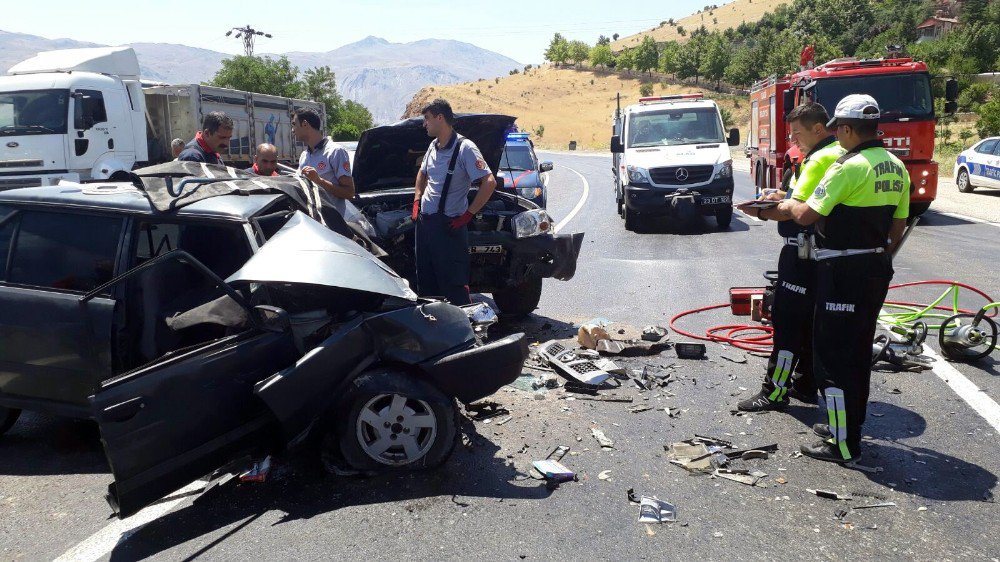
(520, 259)
(478, 372)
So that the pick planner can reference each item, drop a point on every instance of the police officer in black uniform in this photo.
(441, 208)
(860, 209)
(789, 369)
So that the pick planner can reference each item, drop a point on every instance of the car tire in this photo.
(519, 300)
(631, 220)
(7, 418)
(724, 218)
(422, 432)
(964, 182)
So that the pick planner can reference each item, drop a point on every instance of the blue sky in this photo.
(516, 28)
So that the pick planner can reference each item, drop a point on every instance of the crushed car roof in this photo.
(390, 156)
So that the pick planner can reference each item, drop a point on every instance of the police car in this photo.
(521, 171)
(672, 154)
(979, 166)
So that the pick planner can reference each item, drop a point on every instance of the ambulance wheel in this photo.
(7, 418)
(631, 220)
(724, 218)
(519, 300)
(964, 181)
(620, 203)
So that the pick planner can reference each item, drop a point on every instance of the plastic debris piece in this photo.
(258, 472)
(638, 409)
(610, 366)
(554, 470)
(733, 355)
(690, 350)
(830, 495)
(505, 420)
(592, 332)
(654, 510)
(602, 438)
(653, 333)
(695, 458)
(754, 454)
(570, 366)
(922, 508)
(604, 475)
(610, 347)
(632, 497)
(874, 505)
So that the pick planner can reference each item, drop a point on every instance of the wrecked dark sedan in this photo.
(201, 320)
(511, 240)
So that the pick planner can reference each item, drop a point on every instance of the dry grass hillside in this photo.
(724, 17)
(568, 104)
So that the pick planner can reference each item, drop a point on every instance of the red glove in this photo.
(459, 222)
(416, 210)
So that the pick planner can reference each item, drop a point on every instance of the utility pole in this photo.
(248, 34)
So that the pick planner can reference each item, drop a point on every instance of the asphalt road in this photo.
(938, 455)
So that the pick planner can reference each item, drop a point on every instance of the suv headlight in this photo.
(529, 192)
(532, 223)
(638, 175)
(726, 170)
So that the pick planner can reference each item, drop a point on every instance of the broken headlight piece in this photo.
(481, 316)
(531, 223)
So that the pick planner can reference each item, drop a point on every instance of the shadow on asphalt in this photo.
(931, 218)
(690, 225)
(40, 445)
(300, 489)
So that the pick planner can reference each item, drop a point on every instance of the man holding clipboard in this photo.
(792, 313)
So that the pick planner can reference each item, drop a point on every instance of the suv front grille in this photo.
(668, 175)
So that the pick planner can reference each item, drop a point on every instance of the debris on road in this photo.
(654, 333)
(733, 355)
(593, 332)
(258, 472)
(568, 363)
(830, 495)
(692, 457)
(863, 468)
(481, 411)
(604, 475)
(654, 510)
(612, 398)
(690, 350)
(602, 438)
(750, 478)
(875, 505)
(554, 471)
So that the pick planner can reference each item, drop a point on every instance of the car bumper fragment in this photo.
(478, 372)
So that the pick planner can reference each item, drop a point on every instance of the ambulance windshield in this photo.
(672, 127)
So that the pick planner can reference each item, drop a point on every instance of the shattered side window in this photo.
(223, 247)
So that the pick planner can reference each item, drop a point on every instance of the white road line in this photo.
(101, 543)
(964, 388)
(966, 218)
(579, 205)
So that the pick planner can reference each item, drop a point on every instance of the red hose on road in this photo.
(762, 341)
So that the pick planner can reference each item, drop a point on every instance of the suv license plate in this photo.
(497, 249)
(715, 200)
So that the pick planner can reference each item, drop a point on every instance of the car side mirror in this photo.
(734, 137)
(545, 167)
(616, 145)
(272, 318)
(951, 90)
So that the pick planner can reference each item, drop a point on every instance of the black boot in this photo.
(827, 451)
(822, 430)
(808, 397)
(760, 403)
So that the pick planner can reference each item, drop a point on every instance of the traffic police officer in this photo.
(860, 209)
(792, 312)
(323, 162)
(441, 208)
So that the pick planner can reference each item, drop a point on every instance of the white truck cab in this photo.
(671, 152)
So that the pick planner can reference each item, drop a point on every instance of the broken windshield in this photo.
(672, 127)
(34, 112)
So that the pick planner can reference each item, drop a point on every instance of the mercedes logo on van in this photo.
(681, 174)
(12, 144)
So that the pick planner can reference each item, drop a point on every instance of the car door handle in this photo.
(124, 411)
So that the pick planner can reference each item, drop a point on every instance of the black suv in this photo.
(511, 240)
(201, 319)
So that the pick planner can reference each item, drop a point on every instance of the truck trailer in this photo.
(85, 114)
(902, 88)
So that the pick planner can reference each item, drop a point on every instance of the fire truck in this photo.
(902, 88)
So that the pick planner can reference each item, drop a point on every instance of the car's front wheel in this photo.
(519, 300)
(394, 422)
(964, 182)
(7, 418)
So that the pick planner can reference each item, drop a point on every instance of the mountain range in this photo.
(380, 74)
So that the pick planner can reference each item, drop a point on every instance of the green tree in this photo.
(690, 55)
(603, 40)
(668, 57)
(601, 55)
(989, 118)
(320, 84)
(646, 89)
(626, 60)
(647, 55)
(352, 119)
(578, 51)
(262, 75)
(715, 59)
(742, 69)
(558, 51)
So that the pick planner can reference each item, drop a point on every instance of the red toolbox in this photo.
(739, 299)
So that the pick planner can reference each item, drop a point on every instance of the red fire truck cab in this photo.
(902, 88)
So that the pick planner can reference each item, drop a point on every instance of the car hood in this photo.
(306, 252)
(684, 155)
(390, 156)
(520, 178)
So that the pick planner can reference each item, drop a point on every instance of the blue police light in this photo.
(518, 137)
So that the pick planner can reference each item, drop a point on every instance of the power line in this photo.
(248, 34)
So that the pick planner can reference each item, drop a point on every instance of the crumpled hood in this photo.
(684, 155)
(306, 252)
(390, 156)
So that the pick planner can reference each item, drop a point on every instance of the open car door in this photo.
(189, 412)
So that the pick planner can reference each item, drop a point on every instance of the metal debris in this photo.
(653, 333)
(602, 439)
(875, 505)
(610, 347)
(654, 510)
(742, 476)
(754, 454)
(638, 409)
(830, 495)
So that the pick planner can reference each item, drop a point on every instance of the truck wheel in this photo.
(519, 300)
(631, 220)
(7, 418)
(964, 182)
(395, 422)
(724, 218)
(758, 181)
